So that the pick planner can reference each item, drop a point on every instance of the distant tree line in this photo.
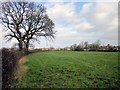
(96, 46)
(83, 46)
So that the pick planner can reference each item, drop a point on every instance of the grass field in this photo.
(68, 69)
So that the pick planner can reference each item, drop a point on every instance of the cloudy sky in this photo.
(79, 21)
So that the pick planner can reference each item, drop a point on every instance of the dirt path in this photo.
(21, 69)
(22, 60)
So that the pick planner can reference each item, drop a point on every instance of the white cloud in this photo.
(104, 12)
(86, 8)
(84, 26)
(55, 0)
(94, 21)
(105, 17)
(60, 12)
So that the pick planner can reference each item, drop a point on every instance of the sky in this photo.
(78, 21)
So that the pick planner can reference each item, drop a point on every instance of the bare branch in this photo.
(26, 21)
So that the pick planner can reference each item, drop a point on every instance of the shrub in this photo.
(9, 63)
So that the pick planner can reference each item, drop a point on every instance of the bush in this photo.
(9, 63)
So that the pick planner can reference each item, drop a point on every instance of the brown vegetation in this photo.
(9, 62)
(20, 71)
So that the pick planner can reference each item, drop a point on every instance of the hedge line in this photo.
(9, 63)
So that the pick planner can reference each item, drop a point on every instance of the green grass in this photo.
(69, 69)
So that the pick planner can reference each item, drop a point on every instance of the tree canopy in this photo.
(26, 21)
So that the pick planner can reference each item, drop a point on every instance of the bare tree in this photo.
(73, 47)
(26, 21)
(97, 44)
(86, 45)
(11, 17)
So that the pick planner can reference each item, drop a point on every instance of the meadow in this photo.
(68, 69)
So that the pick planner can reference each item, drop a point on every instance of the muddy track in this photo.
(22, 60)
(20, 71)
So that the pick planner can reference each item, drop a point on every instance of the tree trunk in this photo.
(27, 47)
(20, 46)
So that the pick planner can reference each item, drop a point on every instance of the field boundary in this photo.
(20, 71)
